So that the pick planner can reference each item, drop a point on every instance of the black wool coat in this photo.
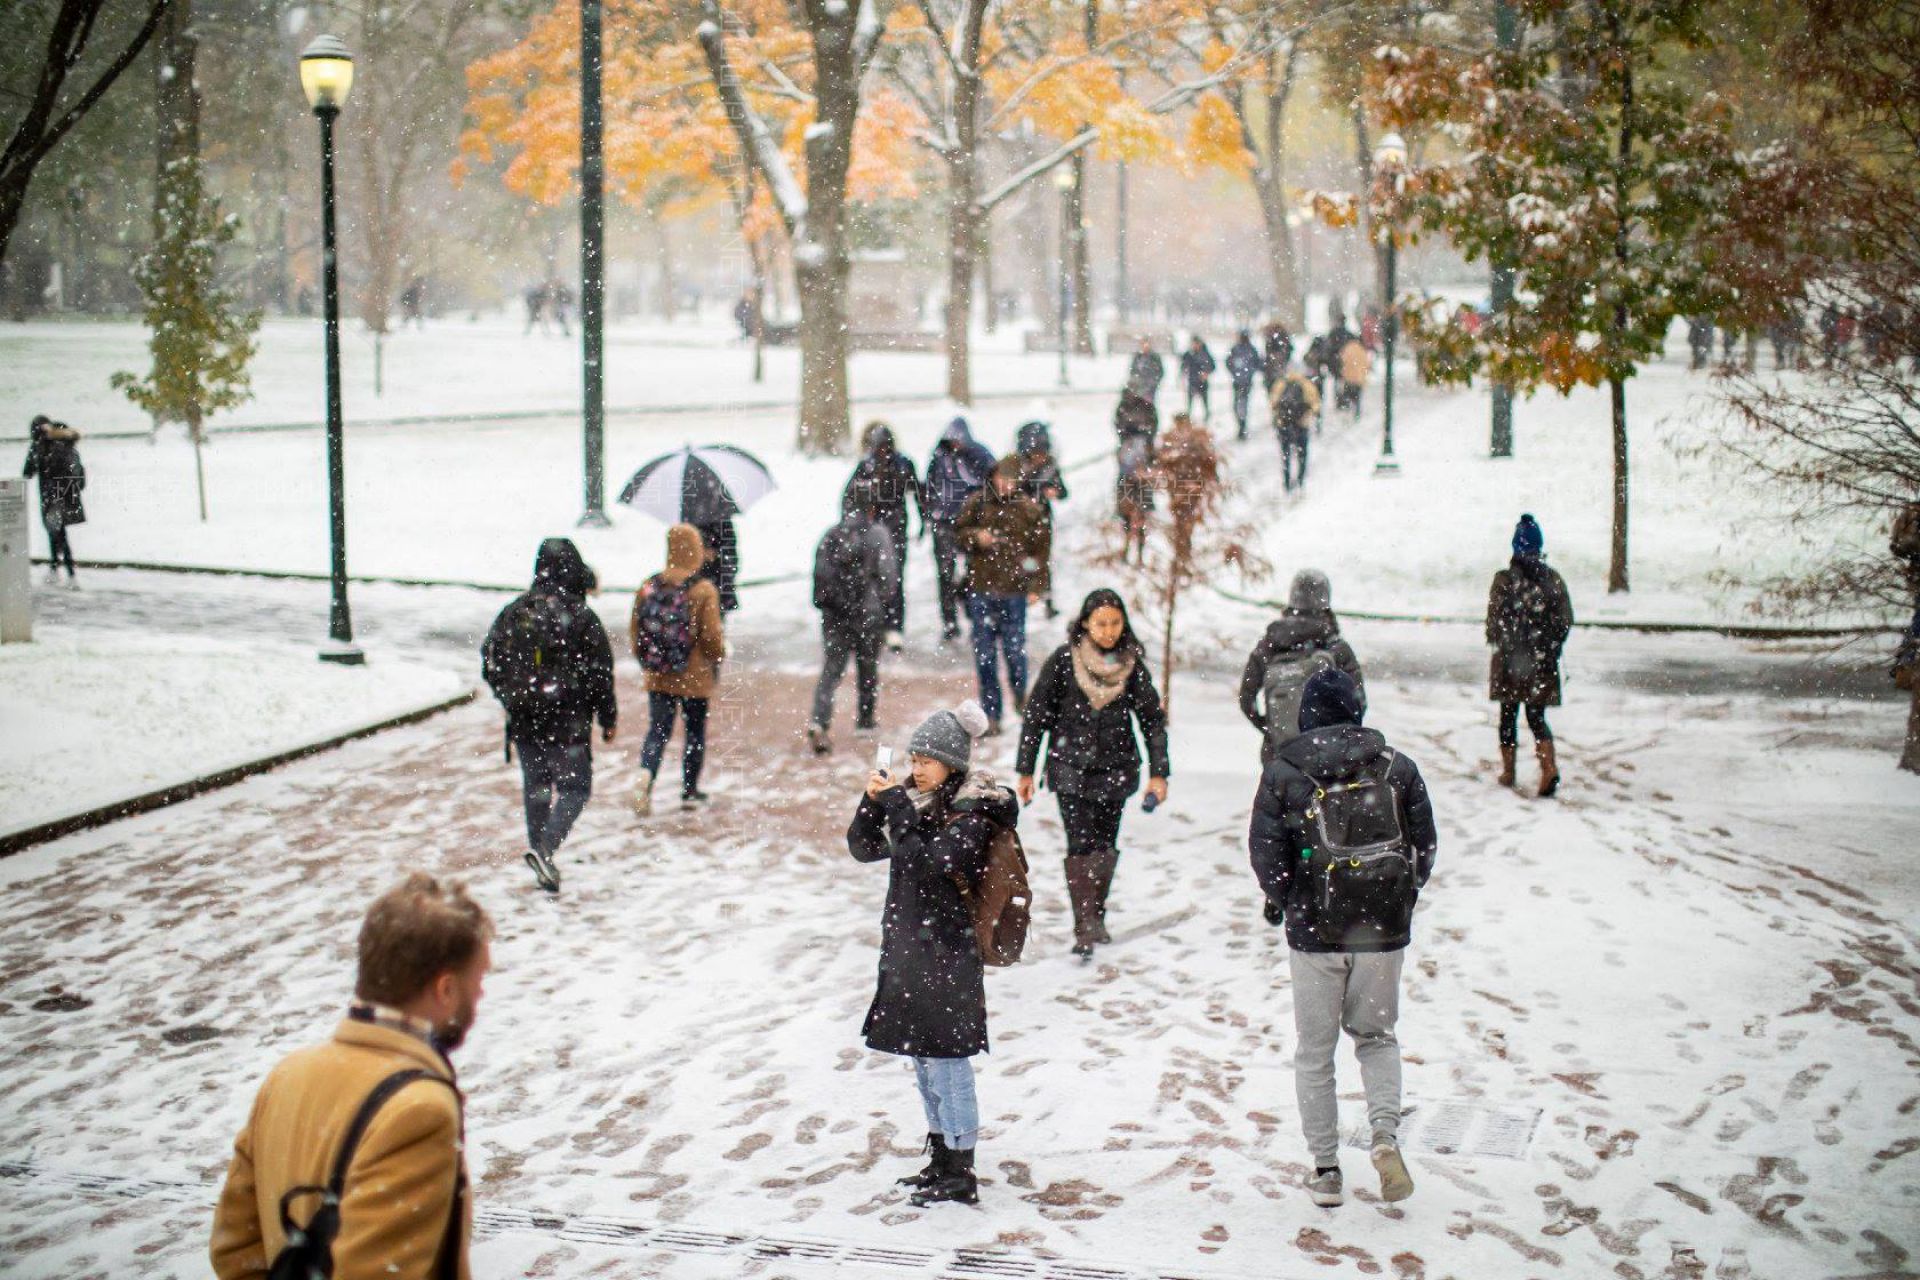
(54, 456)
(1529, 616)
(931, 1001)
(1084, 743)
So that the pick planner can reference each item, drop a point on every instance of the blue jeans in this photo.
(946, 1090)
(999, 626)
(660, 713)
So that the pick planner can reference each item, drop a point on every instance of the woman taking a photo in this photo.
(1087, 701)
(933, 829)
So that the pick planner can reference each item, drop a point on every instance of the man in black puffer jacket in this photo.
(1342, 840)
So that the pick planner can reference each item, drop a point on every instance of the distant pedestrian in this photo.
(853, 575)
(1133, 492)
(363, 1135)
(547, 659)
(1302, 642)
(679, 639)
(559, 303)
(535, 297)
(1529, 616)
(722, 568)
(1089, 697)
(1135, 418)
(1317, 363)
(1196, 371)
(891, 481)
(1146, 372)
(1295, 404)
(748, 315)
(935, 829)
(413, 303)
(957, 470)
(1276, 353)
(1700, 341)
(1354, 364)
(1005, 536)
(1342, 842)
(1040, 479)
(1244, 362)
(53, 455)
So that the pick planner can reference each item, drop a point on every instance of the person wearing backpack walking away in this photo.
(852, 573)
(1196, 370)
(1354, 364)
(1086, 702)
(54, 456)
(935, 830)
(1008, 544)
(374, 1114)
(548, 660)
(1244, 363)
(1040, 479)
(679, 640)
(1316, 364)
(1301, 642)
(957, 470)
(1529, 616)
(892, 479)
(1295, 403)
(1342, 841)
(1276, 353)
(1135, 418)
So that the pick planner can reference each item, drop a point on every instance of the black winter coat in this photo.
(1135, 416)
(1282, 829)
(560, 573)
(892, 480)
(724, 568)
(54, 456)
(1197, 366)
(1144, 374)
(1529, 616)
(931, 1001)
(1243, 364)
(1090, 750)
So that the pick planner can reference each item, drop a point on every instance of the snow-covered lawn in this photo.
(91, 717)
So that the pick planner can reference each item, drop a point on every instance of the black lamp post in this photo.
(1063, 180)
(326, 75)
(1390, 158)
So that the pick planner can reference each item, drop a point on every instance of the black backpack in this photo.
(308, 1251)
(840, 574)
(1358, 862)
(1293, 402)
(527, 663)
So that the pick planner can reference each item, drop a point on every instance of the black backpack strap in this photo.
(364, 1117)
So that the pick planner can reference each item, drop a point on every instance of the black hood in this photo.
(558, 567)
(1334, 753)
(1302, 631)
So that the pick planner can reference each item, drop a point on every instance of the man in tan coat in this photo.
(404, 1213)
(1008, 540)
(679, 640)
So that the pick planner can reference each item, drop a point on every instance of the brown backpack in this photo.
(999, 902)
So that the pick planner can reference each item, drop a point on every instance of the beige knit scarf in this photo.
(1102, 674)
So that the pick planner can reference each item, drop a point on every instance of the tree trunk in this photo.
(991, 315)
(1910, 758)
(963, 240)
(195, 434)
(176, 102)
(1617, 570)
(669, 286)
(1080, 270)
(1363, 157)
(1289, 307)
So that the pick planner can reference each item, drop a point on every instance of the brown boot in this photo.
(1081, 889)
(1104, 863)
(1507, 756)
(1549, 767)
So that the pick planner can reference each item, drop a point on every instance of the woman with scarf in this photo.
(1089, 696)
(1529, 616)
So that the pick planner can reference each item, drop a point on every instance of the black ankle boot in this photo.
(936, 1166)
(956, 1183)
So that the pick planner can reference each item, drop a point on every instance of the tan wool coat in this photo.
(685, 554)
(401, 1186)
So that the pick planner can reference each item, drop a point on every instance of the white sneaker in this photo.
(1326, 1189)
(53, 577)
(544, 872)
(1395, 1182)
(895, 642)
(643, 795)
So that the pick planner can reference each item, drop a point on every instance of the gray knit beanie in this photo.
(1311, 592)
(947, 736)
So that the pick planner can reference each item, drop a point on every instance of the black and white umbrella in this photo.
(702, 484)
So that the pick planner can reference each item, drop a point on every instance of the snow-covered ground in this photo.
(92, 716)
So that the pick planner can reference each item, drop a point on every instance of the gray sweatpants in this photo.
(1359, 991)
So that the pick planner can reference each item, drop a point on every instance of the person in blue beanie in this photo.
(1342, 841)
(1529, 616)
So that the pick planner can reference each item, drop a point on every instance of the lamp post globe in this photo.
(326, 77)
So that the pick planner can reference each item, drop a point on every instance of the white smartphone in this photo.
(883, 759)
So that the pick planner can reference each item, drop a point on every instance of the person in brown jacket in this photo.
(679, 639)
(1008, 540)
(403, 1212)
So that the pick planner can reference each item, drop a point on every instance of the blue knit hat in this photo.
(1330, 697)
(1528, 541)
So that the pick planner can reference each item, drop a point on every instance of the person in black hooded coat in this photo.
(890, 478)
(930, 1003)
(1089, 696)
(54, 456)
(552, 701)
(1529, 617)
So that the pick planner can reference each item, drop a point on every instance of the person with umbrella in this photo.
(705, 487)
